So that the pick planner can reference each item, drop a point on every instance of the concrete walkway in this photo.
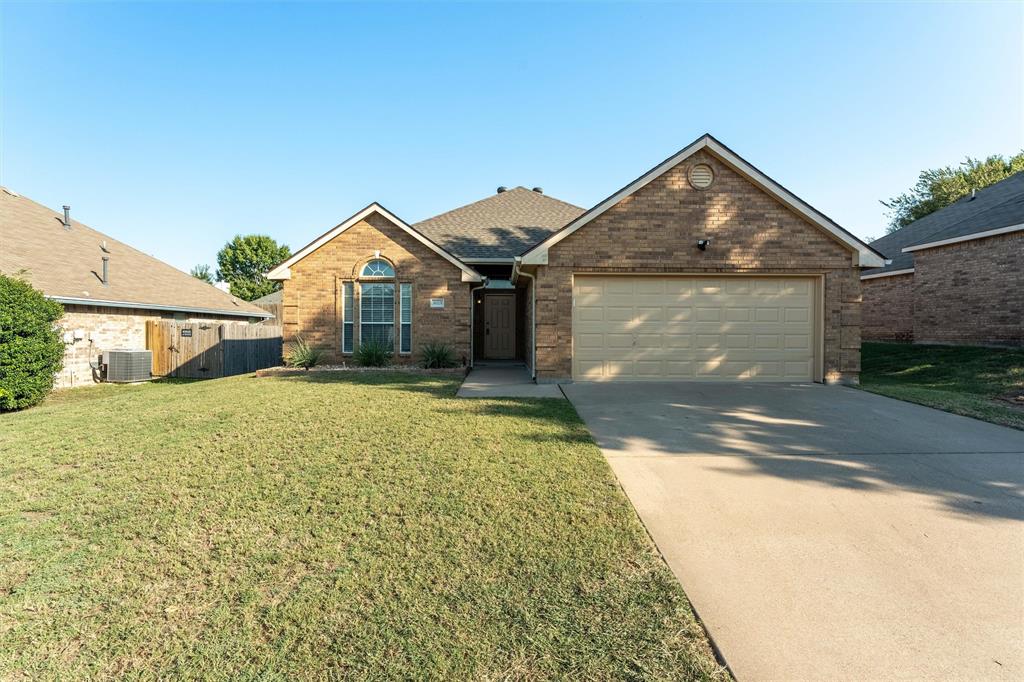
(824, 532)
(505, 381)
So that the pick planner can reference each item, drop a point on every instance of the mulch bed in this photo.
(329, 369)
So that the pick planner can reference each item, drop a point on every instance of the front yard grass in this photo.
(311, 527)
(965, 380)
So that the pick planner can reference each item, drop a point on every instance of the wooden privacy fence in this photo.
(208, 350)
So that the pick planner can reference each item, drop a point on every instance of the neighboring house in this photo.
(108, 289)
(956, 276)
(702, 269)
(270, 303)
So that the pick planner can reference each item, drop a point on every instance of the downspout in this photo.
(472, 322)
(516, 273)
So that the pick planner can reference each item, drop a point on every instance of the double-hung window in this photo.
(405, 318)
(377, 313)
(348, 316)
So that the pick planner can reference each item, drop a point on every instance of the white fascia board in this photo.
(283, 271)
(865, 256)
(965, 238)
(69, 300)
(891, 273)
(473, 261)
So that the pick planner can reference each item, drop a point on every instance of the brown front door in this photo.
(500, 327)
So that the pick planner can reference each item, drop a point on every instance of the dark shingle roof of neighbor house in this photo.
(67, 264)
(500, 226)
(998, 205)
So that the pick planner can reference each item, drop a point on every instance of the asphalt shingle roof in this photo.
(500, 226)
(998, 205)
(68, 264)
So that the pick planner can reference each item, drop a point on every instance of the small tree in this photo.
(940, 187)
(203, 272)
(31, 350)
(244, 262)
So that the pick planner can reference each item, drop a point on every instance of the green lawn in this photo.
(961, 379)
(370, 526)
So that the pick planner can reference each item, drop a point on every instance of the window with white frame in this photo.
(348, 316)
(378, 268)
(405, 318)
(377, 313)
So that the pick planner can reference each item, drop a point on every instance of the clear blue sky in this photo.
(175, 126)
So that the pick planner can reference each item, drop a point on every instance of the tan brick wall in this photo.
(971, 293)
(105, 328)
(888, 308)
(312, 304)
(656, 229)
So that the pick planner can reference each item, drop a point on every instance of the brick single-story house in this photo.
(703, 268)
(108, 289)
(955, 276)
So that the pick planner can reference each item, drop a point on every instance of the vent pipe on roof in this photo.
(538, 190)
(974, 193)
(67, 217)
(501, 189)
(106, 271)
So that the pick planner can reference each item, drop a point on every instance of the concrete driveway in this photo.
(824, 532)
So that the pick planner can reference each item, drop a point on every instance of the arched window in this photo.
(378, 268)
(378, 322)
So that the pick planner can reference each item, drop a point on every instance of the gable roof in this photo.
(866, 256)
(66, 265)
(499, 226)
(282, 271)
(996, 207)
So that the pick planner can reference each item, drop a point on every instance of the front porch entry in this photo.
(499, 322)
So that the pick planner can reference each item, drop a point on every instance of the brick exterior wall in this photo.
(655, 230)
(888, 309)
(971, 293)
(105, 328)
(312, 297)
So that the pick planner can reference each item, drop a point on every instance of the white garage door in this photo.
(696, 328)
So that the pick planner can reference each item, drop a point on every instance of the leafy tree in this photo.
(31, 350)
(244, 262)
(203, 272)
(940, 187)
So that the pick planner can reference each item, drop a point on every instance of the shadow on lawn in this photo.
(439, 386)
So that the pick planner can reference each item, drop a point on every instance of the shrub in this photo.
(31, 350)
(372, 354)
(301, 354)
(438, 356)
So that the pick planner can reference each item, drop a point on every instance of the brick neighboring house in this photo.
(703, 268)
(956, 276)
(65, 260)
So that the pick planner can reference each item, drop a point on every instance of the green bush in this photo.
(372, 354)
(31, 350)
(437, 356)
(301, 354)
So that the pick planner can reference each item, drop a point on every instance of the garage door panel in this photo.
(752, 328)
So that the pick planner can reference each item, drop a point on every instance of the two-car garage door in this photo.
(696, 328)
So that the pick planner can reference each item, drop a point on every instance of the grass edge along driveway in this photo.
(363, 526)
(965, 380)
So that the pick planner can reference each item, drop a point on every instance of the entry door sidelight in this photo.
(500, 327)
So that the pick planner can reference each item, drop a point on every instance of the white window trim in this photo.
(344, 319)
(891, 273)
(965, 238)
(398, 322)
(394, 321)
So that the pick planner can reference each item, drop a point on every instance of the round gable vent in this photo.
(701, 176)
